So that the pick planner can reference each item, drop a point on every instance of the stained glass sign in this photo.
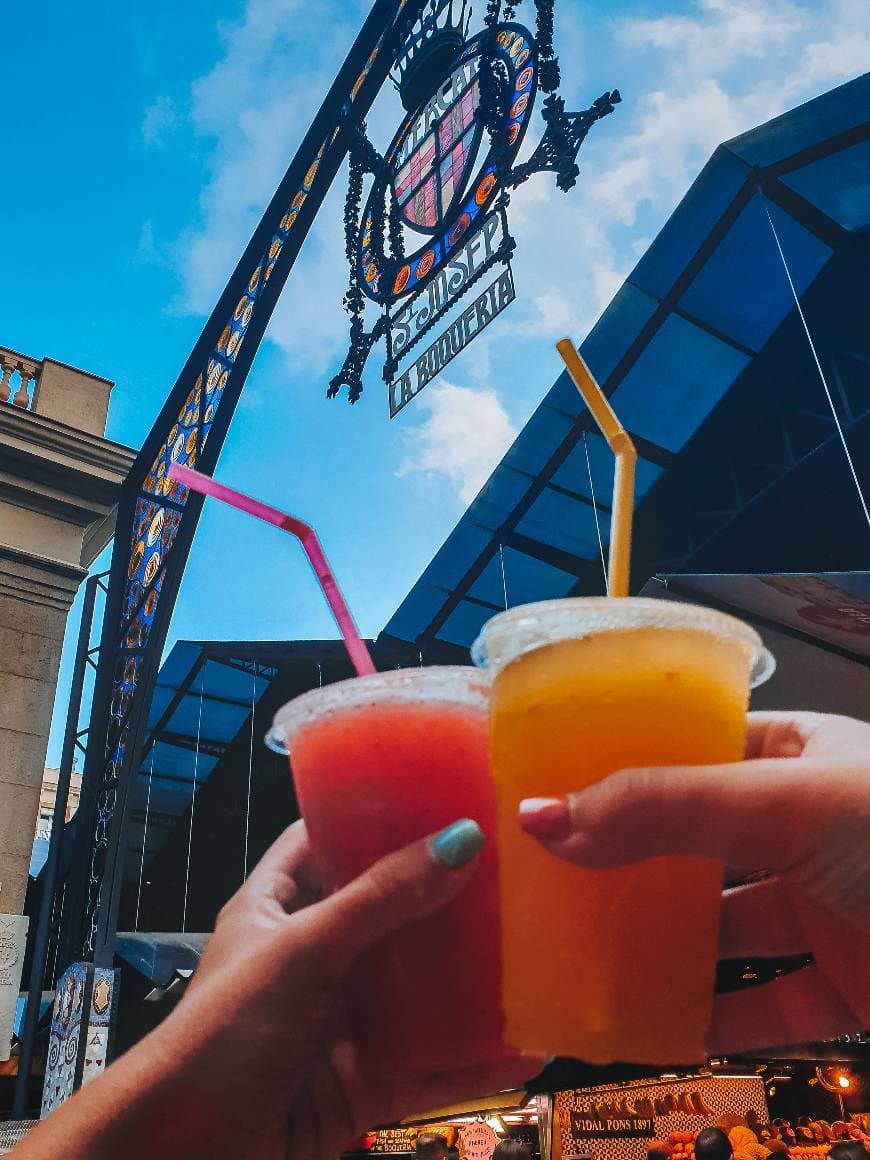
(439, 186)
(447, 175)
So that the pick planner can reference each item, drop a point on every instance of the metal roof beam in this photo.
(575, 495)
(174, 702)
(799, 461)
(814, 220)
(210, 746)
(819, 150)
(577, 566)
(720, 335)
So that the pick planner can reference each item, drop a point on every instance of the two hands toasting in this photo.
(618, 745)
(258, 1060)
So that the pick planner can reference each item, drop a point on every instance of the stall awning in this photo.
(829, 610)
(500, 1102)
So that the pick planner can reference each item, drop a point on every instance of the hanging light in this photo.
(836, 1080)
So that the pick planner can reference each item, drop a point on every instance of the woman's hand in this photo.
(256, 1061)
(799, 807)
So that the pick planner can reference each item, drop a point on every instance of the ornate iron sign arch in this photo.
(459, 93)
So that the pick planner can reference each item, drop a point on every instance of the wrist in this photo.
(197, 1061)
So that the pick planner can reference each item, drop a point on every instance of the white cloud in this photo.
(722, 68)
(717, 33)
(256, 103)
(465, 435)
(160, 118)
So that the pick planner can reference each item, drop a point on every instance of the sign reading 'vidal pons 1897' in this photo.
(587, 1128)
(455, 338)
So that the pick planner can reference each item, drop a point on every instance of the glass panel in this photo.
(447, 186)
(561, 522)
(707, 199)
(833, 112)
(429, 215)
(574, 472)
(525, 578)
(742, 290)
(676, 382)
(838, 185)
(465, 622)
(403, 182)
(458, 118)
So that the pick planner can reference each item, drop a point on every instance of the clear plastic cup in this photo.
(613, 964)
(379, 762)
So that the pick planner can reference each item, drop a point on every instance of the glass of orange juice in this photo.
(610, 965)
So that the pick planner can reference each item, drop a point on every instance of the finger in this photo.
(807, 734)
(777, 734)
(419, 1098)
(285, 872)
(758, 920)
(757, 815)
(798, 1008)
(410, 884)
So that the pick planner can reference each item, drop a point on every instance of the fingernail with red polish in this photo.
(547, 818)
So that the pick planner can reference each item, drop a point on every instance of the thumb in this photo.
(751, 815)
(407, 885)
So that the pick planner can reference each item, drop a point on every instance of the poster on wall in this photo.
(13, 933)
(477, 1141)
(402, 1141)
(102, 1005)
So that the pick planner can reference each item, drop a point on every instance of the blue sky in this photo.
(143, 144)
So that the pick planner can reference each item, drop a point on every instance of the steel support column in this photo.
(49, 874)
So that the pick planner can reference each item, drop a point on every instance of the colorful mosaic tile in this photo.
(66, 1041)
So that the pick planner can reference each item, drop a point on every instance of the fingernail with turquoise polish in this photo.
(458, 843)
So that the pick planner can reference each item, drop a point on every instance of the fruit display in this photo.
(682, 1144)
(809, 1151)
(619, 1123)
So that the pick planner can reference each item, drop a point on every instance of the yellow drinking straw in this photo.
(619, 566)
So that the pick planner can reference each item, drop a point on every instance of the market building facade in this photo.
(736, 355)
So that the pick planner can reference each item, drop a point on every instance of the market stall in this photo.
(471, 1130)
(620, 1122)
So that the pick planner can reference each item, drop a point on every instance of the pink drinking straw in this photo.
(306, 535)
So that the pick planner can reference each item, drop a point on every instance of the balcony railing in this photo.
(19, 376)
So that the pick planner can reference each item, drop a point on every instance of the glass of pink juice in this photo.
(378, 762)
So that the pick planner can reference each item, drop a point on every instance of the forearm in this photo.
(162, 1098)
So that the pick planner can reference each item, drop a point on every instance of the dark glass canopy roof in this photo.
(706, 316)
